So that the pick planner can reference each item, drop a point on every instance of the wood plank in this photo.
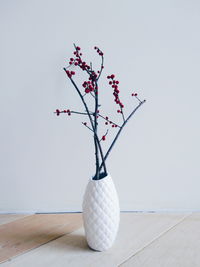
(6, 218)
(179, 247)
(30, 232)
(136, 231)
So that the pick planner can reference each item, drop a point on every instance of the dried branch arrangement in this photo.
(90, 88)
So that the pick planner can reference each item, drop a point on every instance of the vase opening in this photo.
(101, 176)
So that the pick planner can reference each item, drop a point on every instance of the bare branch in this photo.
(120, 130)
(87, 126)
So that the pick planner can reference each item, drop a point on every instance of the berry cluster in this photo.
(62, 111)
(88, 86)
(98, 51)
(70, 73)
(109, 122)
(78, 61)
(134, 94)
(93, 76)
(116, 92)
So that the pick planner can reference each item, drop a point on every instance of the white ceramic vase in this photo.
(101, 213)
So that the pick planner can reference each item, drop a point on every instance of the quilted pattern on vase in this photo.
(101, 213)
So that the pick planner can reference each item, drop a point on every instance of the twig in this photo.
(122, 114)
(109, 120)
(87, 127)
(77, 112)
(102, 61)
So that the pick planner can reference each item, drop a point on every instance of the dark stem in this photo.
(77, 112)
(118, 133)
(95, 132)
(122, 113)
(87, 126)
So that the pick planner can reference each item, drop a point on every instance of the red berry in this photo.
(112, 76)
(117, 82)
(119, 111)
(69, 113)
(68, 74)
(95, 47)
(78, 48)
(106, 118)
(136, 94)
(65, 111)
(108, 77)
(110, 82)
(72, 73)
(113, 125)
(103, 138)
(85, 123)
(106, 123)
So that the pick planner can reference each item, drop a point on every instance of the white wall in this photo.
(154, 48)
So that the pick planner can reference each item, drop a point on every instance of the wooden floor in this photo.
(144, 240)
